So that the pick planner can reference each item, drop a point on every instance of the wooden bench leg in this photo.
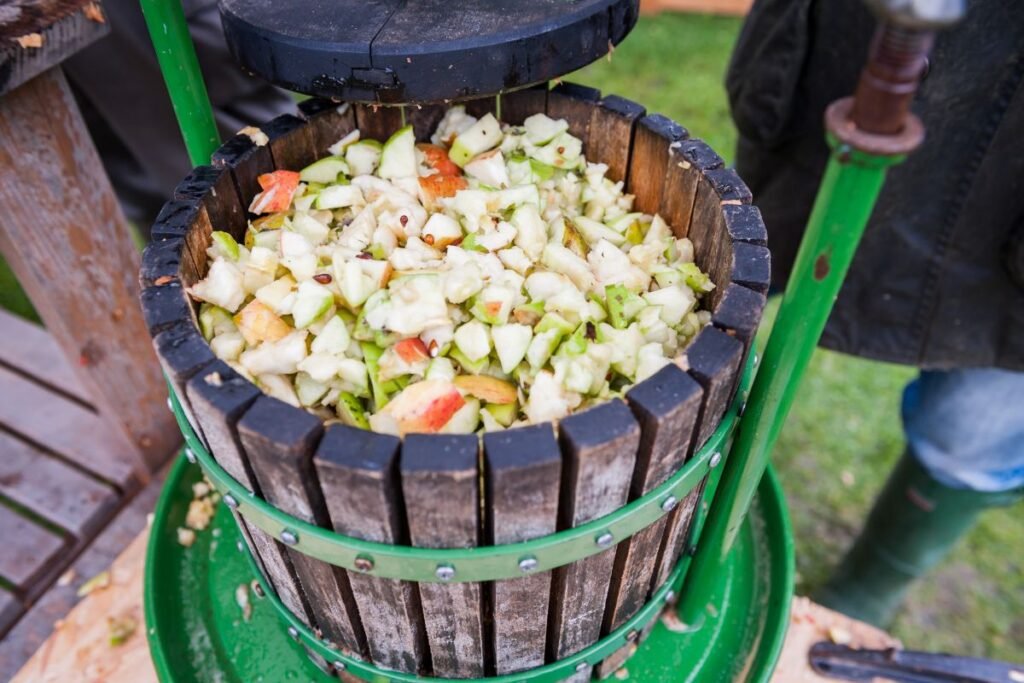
(71, 249)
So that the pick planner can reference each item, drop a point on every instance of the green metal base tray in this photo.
(197, 633)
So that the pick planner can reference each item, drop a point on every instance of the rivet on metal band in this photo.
(669, 504)
(364, 563)
(190, 456)
(445, 572)
(289, 537)
(528, 564)
(230, 501)
(293, 632)
(604, 540)
(715, 459)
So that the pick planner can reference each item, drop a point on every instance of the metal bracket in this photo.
(456, 565)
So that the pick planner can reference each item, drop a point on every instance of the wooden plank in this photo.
(441, 492)
(213, 188)
(667, 406)
(279, 440)
(65, 428)
(480, 106)
(30, 350)
(714, 251)
(81, 270)
(688, 161)
(174, 219)
(247, 161)
(739, 313)
(61, 27)
(165, 305)
(162, 261)
(517, 105)
(743, 223)
(220, 396)
(52, 490)
(574, 103)
(377, 122)
(752, 266)
(328, 122)
(599, 446)
(424, 119)
(358, 472)
(29, 549)
(183, 353)
(649, 160)
(291, 142)
(611, 134)
(10, 610)
(522, 473)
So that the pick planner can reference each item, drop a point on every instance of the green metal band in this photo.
(549, 673)
(454, 565)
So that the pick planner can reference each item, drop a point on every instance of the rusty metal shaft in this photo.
(897, 60)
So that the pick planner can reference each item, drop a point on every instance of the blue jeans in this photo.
(966, 427)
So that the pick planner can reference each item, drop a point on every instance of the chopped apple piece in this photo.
(257, 323)
(487, 389)
(423, 406)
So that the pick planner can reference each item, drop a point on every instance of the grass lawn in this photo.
(844, 433)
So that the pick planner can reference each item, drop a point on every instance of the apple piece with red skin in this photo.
(434, 187)
(488, 389)
(278, 188)
(412, 350)
(421, 407)
(436, 158)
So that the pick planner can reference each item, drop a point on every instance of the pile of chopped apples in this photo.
(490, 279)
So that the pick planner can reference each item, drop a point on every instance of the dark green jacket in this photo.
(938, 281)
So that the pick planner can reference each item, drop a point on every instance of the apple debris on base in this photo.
(491, 278)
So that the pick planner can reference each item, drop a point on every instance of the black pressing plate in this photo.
(409, 51)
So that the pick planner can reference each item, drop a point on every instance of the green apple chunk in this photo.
(483, 135)
(489, 169)
(308, 389)
(339, 197)
(311, 302)
(363, 156)
(473, 340)
(324, 171)
(503, 413)
(623, 305)
(351, 412)
(398, 157)
(333, 338)
(224, 245)
(593, 231)
(675, 301)
(510, 343)
(214, 320)
(542, 129)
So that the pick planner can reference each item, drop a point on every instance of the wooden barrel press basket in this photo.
(458, 491)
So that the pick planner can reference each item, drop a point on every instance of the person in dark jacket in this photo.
(124, 102)
(938, 281)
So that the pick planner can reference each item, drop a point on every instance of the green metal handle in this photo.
(455, 565)
(550, 673)
(180, 66)
(847, 196)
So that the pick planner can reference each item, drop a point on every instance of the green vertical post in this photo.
(177, 57)
(844, 203)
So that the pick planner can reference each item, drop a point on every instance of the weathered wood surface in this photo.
(28, 349)
(612, 124)
(649, 159)
(329, 122)
(10, 610)
(280, 442)
(80, 272)
(688, 160)
(517, 105)
(358, 472)
(36, 35)
(440, 484)
(220, 396)
(51, 489)
(377, 122)
(66, 428)
(599, 448)
(29, 549)
(574, 103)
(522, 473)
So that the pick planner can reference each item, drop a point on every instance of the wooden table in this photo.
(87, 656)
(83, 418)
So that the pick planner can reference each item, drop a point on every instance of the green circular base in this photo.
(197, 632)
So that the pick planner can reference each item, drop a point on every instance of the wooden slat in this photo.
(599, 446)
(739, 313)
(29, 549)
(424, 119)
(611, 134)
(220, 396)
(743, 223)
(480, 106)
(279, 440)
(688, 161)
(649, 159)
(52, 490)
(183, 353)
(78, 266)
(517, 105)
(667, 406)
(377, 122)
(358, 472)
(291, 142)
(574, 103)
(165, 305)
(328, 122)
(441, 490)
(714, 251)
(246, 160)
(212, 188)
(30, 350)
(522, 474)
(162, 261)
(65, 428)
(63, 26)
(174, 219)
(10, 610)
(752, 266)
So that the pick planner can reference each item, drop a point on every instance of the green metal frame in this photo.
(487, 563)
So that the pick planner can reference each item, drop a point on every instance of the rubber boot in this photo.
(913, 525)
